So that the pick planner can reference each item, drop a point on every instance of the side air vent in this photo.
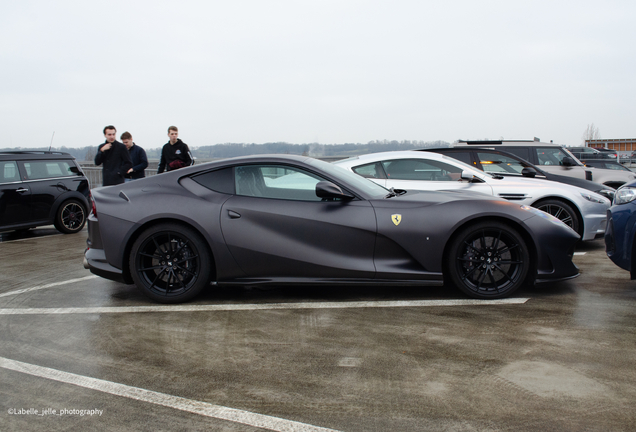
(513, 197)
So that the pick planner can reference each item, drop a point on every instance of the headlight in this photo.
(607, 193)
(595, 198)
(625, 195)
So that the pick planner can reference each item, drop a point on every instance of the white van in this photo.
(555, 159)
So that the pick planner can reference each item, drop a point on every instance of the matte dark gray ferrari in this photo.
(297, 220)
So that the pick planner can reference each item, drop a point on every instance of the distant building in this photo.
(622, 145)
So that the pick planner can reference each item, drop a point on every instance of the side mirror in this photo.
(75, 170)
(466, 175)
(568, 161)
(325, 189)
(529, 172)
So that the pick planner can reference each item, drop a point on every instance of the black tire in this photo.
(170, 263)
(70, 217)
(488, 260)
(562, 211)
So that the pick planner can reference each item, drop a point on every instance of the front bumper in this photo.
(619, 236)
(554, 243)
(595, 225)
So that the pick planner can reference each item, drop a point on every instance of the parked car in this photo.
(508, 164)
(621, 229)
(587, 153)
(555, 159)
(606, 164)
(40, 188)
(582, 210)
(255, 220)
(608, 153)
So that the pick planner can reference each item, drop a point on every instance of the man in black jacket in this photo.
(114, 155)
(137, 156)
(175, 153)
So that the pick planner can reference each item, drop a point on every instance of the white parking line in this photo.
(70, 281)
(163, 399)
(30, 238)
(580, 253)
(262, 306)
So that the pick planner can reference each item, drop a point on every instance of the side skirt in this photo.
(318, 282)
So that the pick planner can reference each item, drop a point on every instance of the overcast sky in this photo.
(315, 71)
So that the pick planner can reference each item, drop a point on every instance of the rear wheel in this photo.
(562, 211)
(70, 217)
(488, 260)
(170, 263)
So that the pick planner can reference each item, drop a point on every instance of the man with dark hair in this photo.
(137, 156)
(115, 158)
(175, 153)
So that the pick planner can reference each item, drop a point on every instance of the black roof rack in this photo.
(491, 142)
(36, 152)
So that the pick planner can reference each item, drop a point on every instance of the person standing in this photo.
(137, 156)
(114, 157)
(175, 153)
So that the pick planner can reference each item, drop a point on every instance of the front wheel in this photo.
(170, 263)
(562, 211)
(70, 217)
(488, 260)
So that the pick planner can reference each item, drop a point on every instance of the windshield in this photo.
(373, 190)
(464, 166)
(500, 164)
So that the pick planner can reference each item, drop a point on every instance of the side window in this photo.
(219, 180)
(276, 181)
(36, 170)
(372, 170)
(9, 172)
(522, 152)
(421, 170)
(496, 163)
(550, 155)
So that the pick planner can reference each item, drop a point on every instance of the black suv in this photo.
(42, 188)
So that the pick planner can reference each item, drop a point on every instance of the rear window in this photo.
(219, 180)
(9, 172)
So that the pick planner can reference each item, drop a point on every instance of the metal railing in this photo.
(94, 175)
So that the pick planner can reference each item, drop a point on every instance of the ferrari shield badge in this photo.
(396, 218)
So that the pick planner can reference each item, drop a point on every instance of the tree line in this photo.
(220, 151)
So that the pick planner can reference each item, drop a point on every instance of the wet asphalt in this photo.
(559, 357)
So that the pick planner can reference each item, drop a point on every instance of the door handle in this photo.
(233, 214)
(22, 190)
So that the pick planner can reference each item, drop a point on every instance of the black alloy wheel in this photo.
(170, 263)
(562, 211)
(70, 217)
(488, 260)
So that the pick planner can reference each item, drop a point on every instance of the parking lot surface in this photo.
(78, 352)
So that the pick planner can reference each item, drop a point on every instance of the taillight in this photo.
(93, 208)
